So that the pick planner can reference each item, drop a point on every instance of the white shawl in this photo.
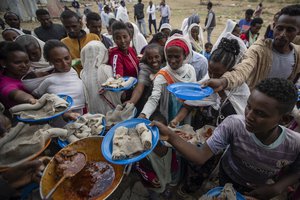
(95, 72)
(198, 45)
(227, 33)
(138, 40)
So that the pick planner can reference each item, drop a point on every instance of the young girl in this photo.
(123, 58)
(195, 35)
(63, 79)
(150, 64)
(231, 102)
(178, 52)
(15, 63)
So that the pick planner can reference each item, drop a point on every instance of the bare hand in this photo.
(164, 131)
(174, 123)
(217, 84)
(142, 115)
(32, 101)
(70, 116)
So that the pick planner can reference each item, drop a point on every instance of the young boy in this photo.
(208, 47)
(259, 148)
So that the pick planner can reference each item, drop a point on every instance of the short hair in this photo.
(208, 44)
(51, 44)
(282, 90)
(10, 13)
(210, 4)
(226, 52)
(257, 20)
(249, 12)
(10, 47)
(176, 31)
(67, 14)
(292, 10)
(118, 25)
(158, 36)
(153, 46)
(41, 11)
(111, 22)
(93, 16)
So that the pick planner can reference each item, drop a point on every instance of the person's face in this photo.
(17, 63)
(94, 26)
(131, 29)
(150, 3)
(73, 27)
(45, 21)
(216, 69)
(255, 29)
(261, 113)
(175, 57)
(34, 52)
(248, 17)
(122, 39)
(162, 41)
(10, 35)
(208, 49)
(195, 32)
(166, 31)
(13, 21)
(61, 59)
(285, 30)
(236, 31)
(153, 58)
(163, 3)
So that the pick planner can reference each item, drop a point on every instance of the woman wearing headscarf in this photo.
(195, 35)
(40, 68)
(166, 28)
(186, 23)
(177, 70)
(34, 48)
(232, 31)
(95, 72)
(10, 34)
(138, 40)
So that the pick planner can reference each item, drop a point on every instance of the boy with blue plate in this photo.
(259, 147)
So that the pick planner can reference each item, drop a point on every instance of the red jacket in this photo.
(122, 64)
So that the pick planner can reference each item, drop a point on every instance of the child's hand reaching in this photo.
(164, 131)
(174, 123)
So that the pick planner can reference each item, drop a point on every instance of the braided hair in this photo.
(226, 53)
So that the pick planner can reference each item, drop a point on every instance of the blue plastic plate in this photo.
(65, 97)
(217, 191)
(122, 88)
(107, 143)
(190, 91)
(64, 143)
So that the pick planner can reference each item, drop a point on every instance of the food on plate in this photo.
(128, 143)
(69, 162)
(120, 113)
(47, 106)
(227, 193)
(118, 82)
(145, 135)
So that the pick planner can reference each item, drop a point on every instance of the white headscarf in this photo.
(138, 40)
(94, 57)
(13, 29)
(227, 33)
(186, 73)
(198, 45)
(165, 25)
(42, 64)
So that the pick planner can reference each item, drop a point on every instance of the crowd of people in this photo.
(255, 144)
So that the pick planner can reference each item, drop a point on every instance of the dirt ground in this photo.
(180, 9)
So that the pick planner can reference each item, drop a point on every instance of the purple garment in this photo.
(247, 160)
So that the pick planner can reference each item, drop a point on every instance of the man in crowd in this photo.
(245, 23)
(165, 13)
(210, 21)
(48, 30)
(122, 13)
(139, 16)
(250, 36)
